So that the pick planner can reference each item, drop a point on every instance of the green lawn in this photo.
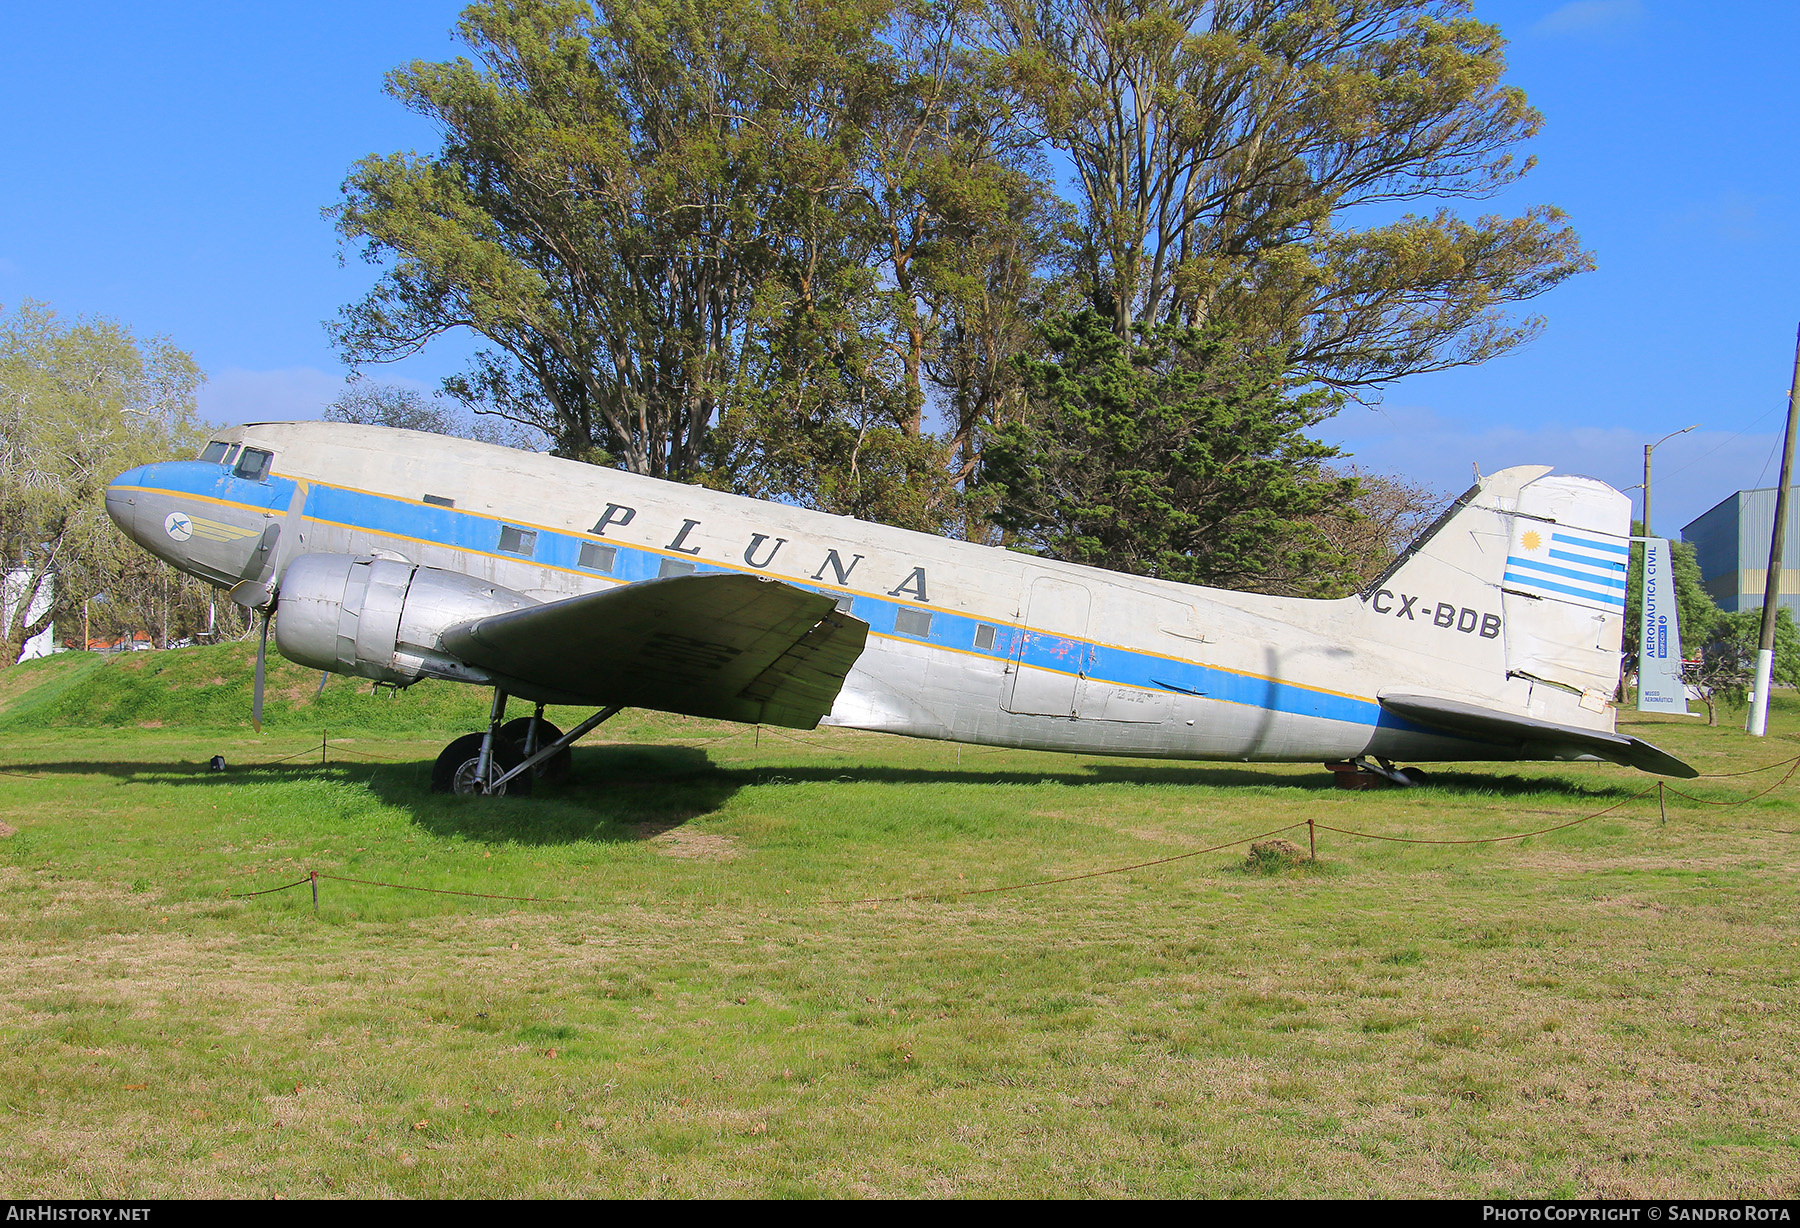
(1605, 1010)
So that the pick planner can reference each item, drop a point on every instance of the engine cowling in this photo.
(378, 618)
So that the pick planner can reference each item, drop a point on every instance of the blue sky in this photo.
(166, 166)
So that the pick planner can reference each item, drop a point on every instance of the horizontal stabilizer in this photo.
(1504, 728)
(731, 647)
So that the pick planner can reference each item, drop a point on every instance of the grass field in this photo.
(691, 1009)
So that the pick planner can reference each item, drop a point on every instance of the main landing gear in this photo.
(510, 755)
(1361, 774)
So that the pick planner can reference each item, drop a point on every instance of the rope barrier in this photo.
(316, 877)
(1312, 826)
(480, 895)
(1767, 767)
(244, 895)
(1369, 835)
(1794, 767)
(1068, 878)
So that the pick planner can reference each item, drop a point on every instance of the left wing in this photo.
(727, 646)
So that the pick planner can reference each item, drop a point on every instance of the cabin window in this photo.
(215, 451)
(518, 541)
(440, 501)
(596, 556)
(913, 622)
(253, 465)
(844, 603)
(673, 567)
(984, 637)
(230, 455)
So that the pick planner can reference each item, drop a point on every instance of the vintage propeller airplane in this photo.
(396, 555)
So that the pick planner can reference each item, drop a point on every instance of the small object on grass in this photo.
(216, 763)
(1273, 856)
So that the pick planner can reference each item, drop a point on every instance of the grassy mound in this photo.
(209, 687)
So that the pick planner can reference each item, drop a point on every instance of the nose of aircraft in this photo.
(121, 501)
(222, 540)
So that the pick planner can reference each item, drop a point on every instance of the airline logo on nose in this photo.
(181, 527)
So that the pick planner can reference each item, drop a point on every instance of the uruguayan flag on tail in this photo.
(1579, 566)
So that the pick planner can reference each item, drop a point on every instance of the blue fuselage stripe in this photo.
(479, 533)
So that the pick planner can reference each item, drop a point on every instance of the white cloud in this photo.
(1590, 17)
(1690, 473)
(238, 395)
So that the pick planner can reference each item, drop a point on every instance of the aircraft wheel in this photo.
(1408, 777)
(457, 768)
(555, 769)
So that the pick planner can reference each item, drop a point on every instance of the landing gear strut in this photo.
(1362, 774)
(505, 760)
(530, 734)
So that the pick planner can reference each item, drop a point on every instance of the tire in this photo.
(1408, 777)
(456, 768)
(553, 770)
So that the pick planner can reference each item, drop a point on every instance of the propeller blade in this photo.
(262, 657)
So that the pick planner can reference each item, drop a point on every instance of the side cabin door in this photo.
(1051, 657)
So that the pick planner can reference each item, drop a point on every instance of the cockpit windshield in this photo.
(253, 465)
(214, 452)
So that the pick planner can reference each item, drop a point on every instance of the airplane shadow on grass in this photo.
(624, 793)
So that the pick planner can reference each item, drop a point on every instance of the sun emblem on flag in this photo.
(1531, 540)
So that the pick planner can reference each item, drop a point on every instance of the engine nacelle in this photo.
(380, 619)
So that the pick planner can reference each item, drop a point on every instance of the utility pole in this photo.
(1758, 723)
(1649, 448)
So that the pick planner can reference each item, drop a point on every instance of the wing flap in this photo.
(727, 646)
(1507, 729)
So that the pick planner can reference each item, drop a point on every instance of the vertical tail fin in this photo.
(1531, 568)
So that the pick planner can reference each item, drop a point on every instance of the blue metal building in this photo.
(1732, 542)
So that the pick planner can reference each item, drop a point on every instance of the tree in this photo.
(1727, 663)
(616, 186)
(941, 245)
(1178, 455)
(1226, 151)
(737, 241)
(80, 402)
(1384, 517)
(371, 403)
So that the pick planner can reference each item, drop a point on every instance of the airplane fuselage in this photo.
(967, 642)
